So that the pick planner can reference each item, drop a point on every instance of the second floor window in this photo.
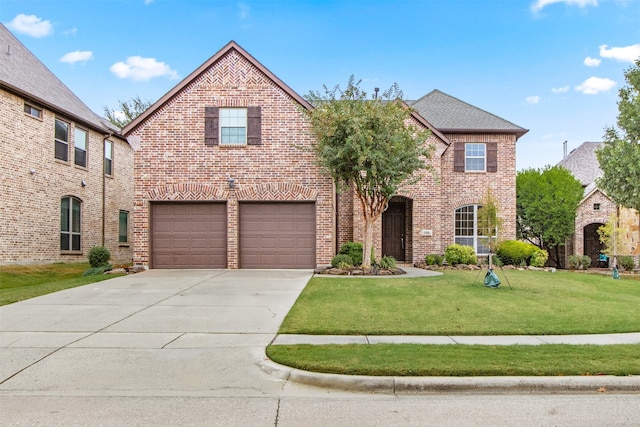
(80, 143)
(474, 157)
(233, 126)
(108, 158)
(62, 140)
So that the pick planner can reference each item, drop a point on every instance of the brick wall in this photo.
(173, 153)
(33, 182)
(436, 197)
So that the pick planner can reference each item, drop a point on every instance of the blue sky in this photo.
(551, 66)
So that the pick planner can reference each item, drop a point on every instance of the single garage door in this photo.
(277, 235)
(188, 235)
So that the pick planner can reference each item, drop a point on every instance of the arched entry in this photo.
(592, 245)
(396, 228)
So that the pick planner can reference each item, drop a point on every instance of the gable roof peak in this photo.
(231, 45)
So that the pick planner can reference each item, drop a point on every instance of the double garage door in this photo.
(271, 235)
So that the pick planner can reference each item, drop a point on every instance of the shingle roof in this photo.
(583, 163)
(22, 72)
(449, 114)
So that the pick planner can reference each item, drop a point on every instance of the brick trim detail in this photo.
(187, 191)
(277, 191)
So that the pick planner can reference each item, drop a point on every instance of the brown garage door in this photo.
(277, 235)
(188, 235)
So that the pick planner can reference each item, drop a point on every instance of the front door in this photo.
(393, 229)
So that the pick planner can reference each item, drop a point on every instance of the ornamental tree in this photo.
(619, 156)
(369, 144)
(546, 204)
(490, 222)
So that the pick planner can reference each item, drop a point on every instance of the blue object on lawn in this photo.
(616, 275)
(491, 279)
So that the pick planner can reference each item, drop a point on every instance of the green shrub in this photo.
(627, 262)
(98, 256)
(94, 271)
(354, 250)
(433, 259)
(496, 261)
(341, 261)
(460, 254)
(539, 258)
(513, 252)
(574, 262)
(387, 262)
(577, 262)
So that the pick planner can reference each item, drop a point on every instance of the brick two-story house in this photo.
(596, 208)
(67, 176)
(225, 176)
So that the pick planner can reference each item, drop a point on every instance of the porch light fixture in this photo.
(231, 182)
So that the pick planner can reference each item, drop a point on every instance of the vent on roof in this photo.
(8, 50)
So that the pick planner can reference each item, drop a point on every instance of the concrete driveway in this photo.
(157, 333)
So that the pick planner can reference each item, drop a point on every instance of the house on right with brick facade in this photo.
(596, 208)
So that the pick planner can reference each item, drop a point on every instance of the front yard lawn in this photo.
(20, 282)
(457, 303)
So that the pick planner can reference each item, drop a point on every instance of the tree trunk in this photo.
(368, 243)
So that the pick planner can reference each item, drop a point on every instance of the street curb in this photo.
(430, 385)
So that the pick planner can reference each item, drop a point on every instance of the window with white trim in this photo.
(233, 126)
(108, 158)
(80, 147)
(475, 155)
(62, 140)
(466, 229)
(70, 224)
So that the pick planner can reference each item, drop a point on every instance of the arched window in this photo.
(70, 221)
(466, 229)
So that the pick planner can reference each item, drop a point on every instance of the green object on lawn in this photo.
(616, 275)
(491, 279)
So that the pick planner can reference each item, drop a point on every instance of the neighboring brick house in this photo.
(55, 201)
(596, 208)
(225, 177)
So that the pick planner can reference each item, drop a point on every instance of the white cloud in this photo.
(148, 2)
(563, 89)
(142, 69)
(244, 11)
(538, 5)
(31, 25)
(532, 100)
(592, 62)
(595, 85)
(71, 32)
(623, 54)
(77, 56)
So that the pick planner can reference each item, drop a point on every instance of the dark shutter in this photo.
(492, 157)
(458, 157)
(211, 119)
(254, 126)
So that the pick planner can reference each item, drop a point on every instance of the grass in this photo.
(20, 282)
(458, 304)
(460, 360)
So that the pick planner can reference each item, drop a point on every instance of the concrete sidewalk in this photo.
(604, 339)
